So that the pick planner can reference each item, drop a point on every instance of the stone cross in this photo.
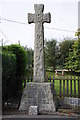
(39, 18)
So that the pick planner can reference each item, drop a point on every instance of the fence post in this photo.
(78, 87)
(31, 79)
(28, 79)
(74, 86)
(67, 87)
(60, 87)
(24, 82)
(64, 86)
(53, 81)
(50, 78)
(71, 86)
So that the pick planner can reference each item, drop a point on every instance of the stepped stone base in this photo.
(41, 95)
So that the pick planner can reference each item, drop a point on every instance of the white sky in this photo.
(64, 15)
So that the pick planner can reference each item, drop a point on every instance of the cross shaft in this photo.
(39, 18)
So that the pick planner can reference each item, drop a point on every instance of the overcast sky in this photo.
(64, 16)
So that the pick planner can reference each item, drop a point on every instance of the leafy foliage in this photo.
(21, 58)
(30, 62)
(73, 59)
(57, 52)
(8, 75)
(65, 46)
(14, 56)
(50, 53)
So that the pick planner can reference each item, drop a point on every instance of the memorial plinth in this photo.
(41, 95)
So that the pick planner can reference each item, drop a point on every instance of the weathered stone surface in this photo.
(41, 95)
(39, 18)
(33, 110)
(72, 101)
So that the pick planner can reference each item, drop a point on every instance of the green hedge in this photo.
(8, 75)
(19, 58)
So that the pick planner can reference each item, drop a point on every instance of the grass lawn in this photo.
(57, 83)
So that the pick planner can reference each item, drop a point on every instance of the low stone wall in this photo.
(71, 101)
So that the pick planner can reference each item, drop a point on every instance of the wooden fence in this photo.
(68, 86)
(64, 86)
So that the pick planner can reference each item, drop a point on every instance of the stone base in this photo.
(41, 95)
(33, 110)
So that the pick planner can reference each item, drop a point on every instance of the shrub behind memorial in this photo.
(8, 75)
(20, 61)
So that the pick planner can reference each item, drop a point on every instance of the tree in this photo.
(30, 60)
(50, 53)
(73, 59)
(65, 46)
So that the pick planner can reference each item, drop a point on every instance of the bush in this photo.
(21, 58)
(8, 75)
(21, 63)
(14, 69)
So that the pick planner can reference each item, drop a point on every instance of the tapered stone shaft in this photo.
(39, 18)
